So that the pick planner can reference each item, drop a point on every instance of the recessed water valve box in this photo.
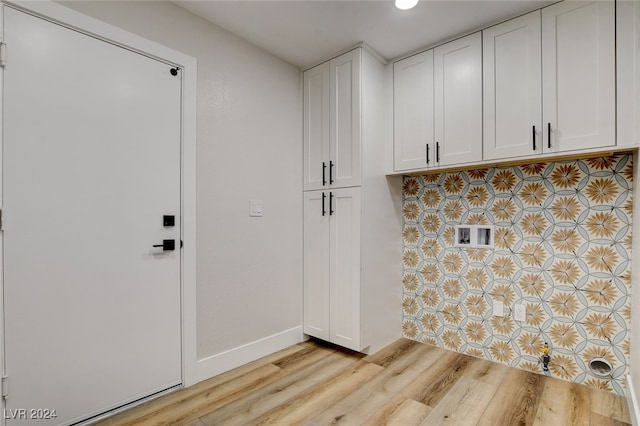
(474, 236)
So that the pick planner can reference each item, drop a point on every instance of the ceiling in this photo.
(306, 32)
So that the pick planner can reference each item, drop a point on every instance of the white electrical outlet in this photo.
(519, 312)
(498, 308)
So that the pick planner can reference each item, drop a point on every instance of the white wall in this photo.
(249, 145)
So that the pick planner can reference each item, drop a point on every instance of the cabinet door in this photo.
(578, 75)
(316, 264)
(345, 268)
(458, 100)
(628, 73)
(316, 127)
(345, 120)
(512, 88)
(413, 112)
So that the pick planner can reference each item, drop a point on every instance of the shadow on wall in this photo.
(562, 249)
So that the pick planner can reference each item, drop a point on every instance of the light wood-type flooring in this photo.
(406, 383)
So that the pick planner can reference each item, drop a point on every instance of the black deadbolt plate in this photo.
(168, 220)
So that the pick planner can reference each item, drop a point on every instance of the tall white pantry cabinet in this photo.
(351, 293)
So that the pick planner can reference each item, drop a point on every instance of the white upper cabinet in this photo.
(512, 84)
(458, 100)
(542, 83)
(628, 73)
(578, 75)
(438, 106)
(413, 112)
(345, 120)
(332, 131)
(571, 102)
(316, 126)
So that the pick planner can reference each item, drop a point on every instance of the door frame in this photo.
(77, 21)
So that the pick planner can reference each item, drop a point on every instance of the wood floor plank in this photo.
(300, 359)
(359, 405)
(433, 384)
(185, 409)
(306, 352)
(516, 400)
(598, 420)
(325, 394)
(563, 403)
(464, 404)
(390, 353)
(400, 411)
(610, 405)
(486, 371)
(279, 392)
(195, 422)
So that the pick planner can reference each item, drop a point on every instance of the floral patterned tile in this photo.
(562, 248)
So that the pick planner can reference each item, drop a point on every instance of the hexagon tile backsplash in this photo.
(562, 249)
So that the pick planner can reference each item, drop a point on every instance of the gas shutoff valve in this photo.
(546, 358)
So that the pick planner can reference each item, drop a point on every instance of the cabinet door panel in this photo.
(413, 112)
(345, 119)
(512, 82)
(345, 268)
(316, 126)
(316, 264)
(628, 73)
(579, 75)
(458, 100)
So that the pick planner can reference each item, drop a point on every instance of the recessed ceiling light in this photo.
(405, 4)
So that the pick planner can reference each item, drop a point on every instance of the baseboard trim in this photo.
(228, 360)
(632, 402)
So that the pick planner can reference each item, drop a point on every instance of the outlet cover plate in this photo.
(519, 312)
(498, 308)
(255, 208)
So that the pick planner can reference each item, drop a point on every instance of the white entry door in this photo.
(90, 164)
